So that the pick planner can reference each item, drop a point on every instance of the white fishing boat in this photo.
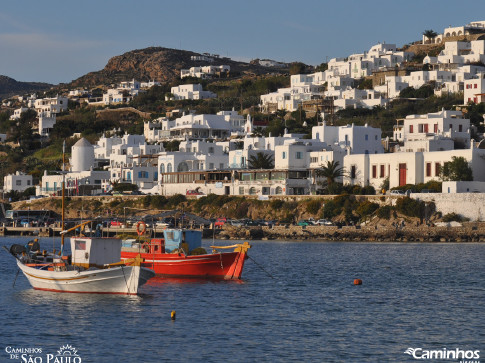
(93, 267)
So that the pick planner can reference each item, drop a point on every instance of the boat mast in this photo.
(63, 187)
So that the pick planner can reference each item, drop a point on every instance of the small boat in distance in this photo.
(179, 254)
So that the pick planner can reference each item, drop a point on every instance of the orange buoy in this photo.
(173, 315)
(357, 282)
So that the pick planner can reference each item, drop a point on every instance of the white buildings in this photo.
(446, 124)
(81, 179)
(17, 182)
(355, 139)
(56, 104)
(407, 167)
(474, 89)
(124, 93)
(205, 126)
(18, 112)
(205, 71)
(190, 92)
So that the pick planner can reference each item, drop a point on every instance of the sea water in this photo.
(296, 302)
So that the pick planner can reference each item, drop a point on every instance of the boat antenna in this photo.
(63, 187)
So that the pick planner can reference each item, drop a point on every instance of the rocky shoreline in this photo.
(472, 232)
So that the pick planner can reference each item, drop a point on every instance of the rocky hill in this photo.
(10, 87)
(156, 63)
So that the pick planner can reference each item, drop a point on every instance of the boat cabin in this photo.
(177, 238)
(95, 252)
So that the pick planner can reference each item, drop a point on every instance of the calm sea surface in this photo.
(413, 295)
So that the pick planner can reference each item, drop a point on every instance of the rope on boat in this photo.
(261, 267)
(15, 279)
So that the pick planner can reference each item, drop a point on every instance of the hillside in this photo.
(10, 87)
(156, 63)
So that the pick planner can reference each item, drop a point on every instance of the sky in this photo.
(58, 41)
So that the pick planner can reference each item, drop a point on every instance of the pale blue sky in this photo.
(58, 41)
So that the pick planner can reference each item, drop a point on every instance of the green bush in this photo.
(242, 210)
(366, 209)
(384, 212)
(158, 201)
(276, 204)
(175, 200)
(410, 207)
(452, 217)
(313, 206)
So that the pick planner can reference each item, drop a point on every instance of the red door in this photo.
(402, 174)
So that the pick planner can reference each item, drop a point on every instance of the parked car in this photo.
(220, 222)
(193, 192)
(304, 222)
(115, 223)
(398, 192)
(324, 222)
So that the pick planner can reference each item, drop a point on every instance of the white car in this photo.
(324, 222)
(398, 192)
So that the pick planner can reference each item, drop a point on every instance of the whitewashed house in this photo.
(190, 92)
(355, 139)
(17, 182)
(426, 128)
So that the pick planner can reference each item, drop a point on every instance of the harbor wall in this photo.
(469, 205)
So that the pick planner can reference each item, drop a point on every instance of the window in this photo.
(460, 128)
(475, 85)
(352, 172)
(366, 137)
(428, 169)
(28, 182)
(18, 182)
(410, 129)
(381, 175)
(283, 155)
(426, 128)
(221, 166)
(241, 190)
(437, 169)
(435, 128)
(169, 167)
(211, 165)
(374, 171)
(162, 168)
(376, 137)
(298, 155)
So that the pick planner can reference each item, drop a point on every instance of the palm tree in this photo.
(429, 33)
(261, 161)
(331, 171)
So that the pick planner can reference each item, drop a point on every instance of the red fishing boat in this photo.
(180, 254)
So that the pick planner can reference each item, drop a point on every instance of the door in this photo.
(227, 190)
(402, 174)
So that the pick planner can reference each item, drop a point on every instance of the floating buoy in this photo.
(357, 282)
(173, 315)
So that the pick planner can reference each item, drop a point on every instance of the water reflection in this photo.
(161, 280)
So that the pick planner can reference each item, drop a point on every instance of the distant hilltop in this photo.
(158, 64)
(10, 87)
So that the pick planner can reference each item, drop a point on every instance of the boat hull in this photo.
(227, 265)
(124, 280)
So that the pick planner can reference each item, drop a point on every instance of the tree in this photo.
(331, 171)
(456, 170)
(429, 33)
(297, 68)
(261, 161)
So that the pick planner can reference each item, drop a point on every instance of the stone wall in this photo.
(469, 205)
(470, 232)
